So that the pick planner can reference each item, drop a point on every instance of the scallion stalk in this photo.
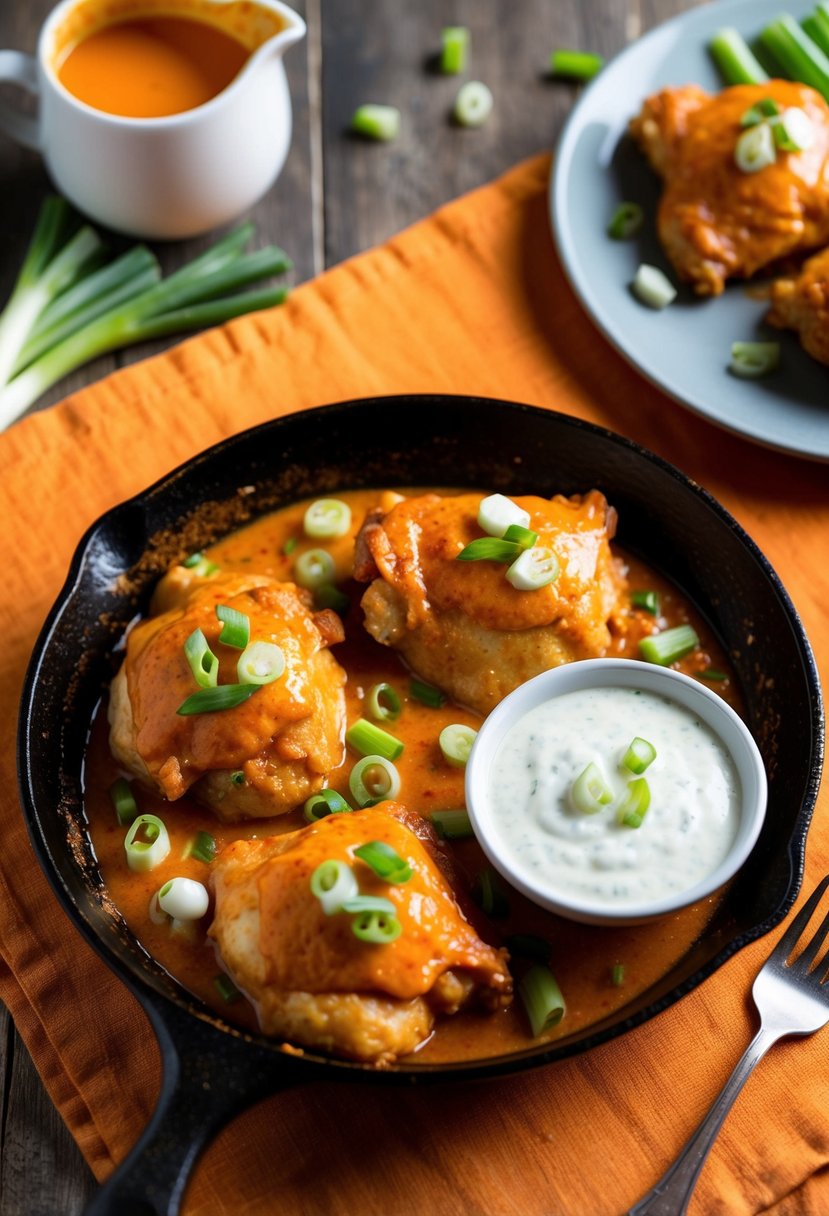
(575, 65)
(323, 803)
(542, 999)
(123, 799)
(385, 861)
(670, 645)
(452, 825)
(426, 694)
(368, 739)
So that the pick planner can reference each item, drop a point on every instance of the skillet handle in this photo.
(207, 1078)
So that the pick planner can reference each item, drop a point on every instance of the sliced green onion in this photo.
(376, 122)
(327, 518)
(260, 663)
(755, 149)
(314, 568)
(528, 945)
(648, 601)
(123, 799)
(211, 700)
(427, 694)
(383, 703)
(711, 673)
(652, 287)
(524, 537)
(533, 569)
(799, 57)
(455, 743)
(235, 627)
(368, 739)
(750, 360)
(325, 802)
(473, 104)
(333, 883)
(237, 777)
(625, 222)
(355, 904)
(617, 975)
(490, 549)
(226, 988)
(793, 130)
(203, 662)
(289, 546)
(373, 779)
(590, 792)
(200, 565)
(576, 65)
(767, 108)
(491, 896)
(385, 861)
(736, 62)
(639, 755)
(542, 999)
(377, 928)
(452, 825)
(635, 803)
(496, 513)
(147, 843)
(204, 847)
(192, 560)
(454, 44)
(329, 596)
(184, 899)
(670, 645)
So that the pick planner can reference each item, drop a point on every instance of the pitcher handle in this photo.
(20, 69)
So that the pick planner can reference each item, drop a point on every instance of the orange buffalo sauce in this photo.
(152, 67)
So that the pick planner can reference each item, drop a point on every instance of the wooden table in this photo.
(336, 196)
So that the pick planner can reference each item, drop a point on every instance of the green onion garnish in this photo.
(333, 883)
(452, 825)
(201, 566)
(749, 360)
(427, 694)
(497, 513)
(204, 847)
(767, 108)
(355, 904)
(454, 44)
(736, 62)
(377, 928)
(524, 537)
(289, 546)
(590, 792)
(639, 755)
(755, 149)
(528, 945)
(652, 287)
(670, 645)
(327, 518)
(371, 740)
(193, 560)
(456, 742)
(325, 802)
(711, 673)
(183, 899)
(260, 663)
(533, 569)
(376, 122)
(314, 569)
(542, 999)
(635, 804)
(237, 777)
(210, 700)
(226, 988)
(490, 895)
(617, 975)
(123, 799)
(384, 861)
(575, 65)
(625, 222)
(793, 130)
(490, 549)
(473, 104)
(648, 601)
(329, 596)
(147, 843)
(383, 703)
(203, 662)
(235, 627)
(373, 779)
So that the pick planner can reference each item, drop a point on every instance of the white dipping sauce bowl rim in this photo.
(688, 693)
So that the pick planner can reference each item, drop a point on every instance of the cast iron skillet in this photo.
(210, 1069)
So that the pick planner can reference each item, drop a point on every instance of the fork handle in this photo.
(672, 1193)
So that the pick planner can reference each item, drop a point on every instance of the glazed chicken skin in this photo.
(284, 740)
(801, 302)
(313, 982)
(461, 625)
(716, 221)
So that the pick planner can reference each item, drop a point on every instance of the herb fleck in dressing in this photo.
(687, 831)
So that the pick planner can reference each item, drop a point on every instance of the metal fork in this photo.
(792, 998)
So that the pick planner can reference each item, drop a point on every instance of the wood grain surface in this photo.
(337, 195)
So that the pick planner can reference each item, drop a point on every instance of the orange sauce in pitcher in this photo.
(152, 67)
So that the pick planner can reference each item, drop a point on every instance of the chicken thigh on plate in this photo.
(801, 302)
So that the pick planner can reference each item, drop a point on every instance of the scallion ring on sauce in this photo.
(373, 779)
(210, 700)
(183, 899)
(750, 360)
(496, 513)
(146, 844)
(426, 694)
(333, 884)
(455, 743)
(327, 518)
(356, 904)
(542, 999)
(625, 222)
(711, 673)
(260, 663)
(669, 646)
(452, 825)
(524, 537)
(371, 740)
(202, 661)
(639, 755)
(490, 549)
(636, 801)
(123, 799)
(226, 988)
(617, 975)
(235, 627)
(200, 565)
(203, 847)
(767, 108)
(383, 703)
(237, 777)
(793, 130)
(533, 569)
(648, 601)
(385, 861)
(323, 803)
(314, 568)
(590, 792)
(755, 149)
(376, 928)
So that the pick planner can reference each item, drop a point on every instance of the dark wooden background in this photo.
(336, 196)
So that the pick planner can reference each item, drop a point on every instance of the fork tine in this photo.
(790, 938)
(805, 960)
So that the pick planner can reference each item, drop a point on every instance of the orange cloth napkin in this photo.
(471, 300)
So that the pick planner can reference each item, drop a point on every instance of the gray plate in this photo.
(684, 349)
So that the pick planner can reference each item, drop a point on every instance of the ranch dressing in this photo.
(685, 834)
